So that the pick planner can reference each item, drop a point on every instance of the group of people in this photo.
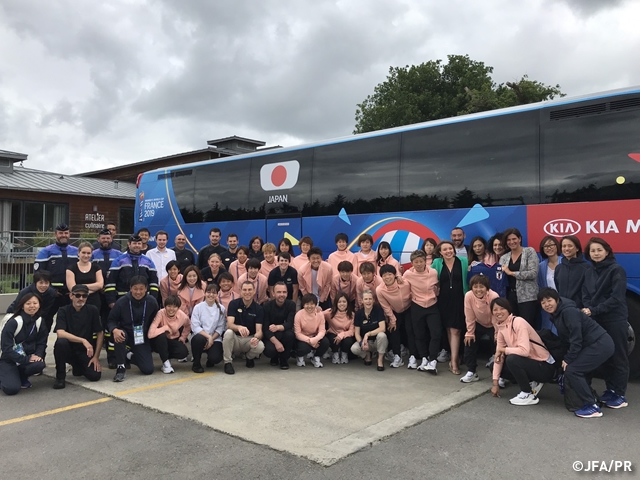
(247, 301)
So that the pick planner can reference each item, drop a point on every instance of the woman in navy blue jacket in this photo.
(589, 347)
(570, 272)
(604, 296)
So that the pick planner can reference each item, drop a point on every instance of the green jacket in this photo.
(437, 265)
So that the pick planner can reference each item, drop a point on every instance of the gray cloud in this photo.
(90, 85)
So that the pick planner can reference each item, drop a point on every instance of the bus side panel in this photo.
(405, 231)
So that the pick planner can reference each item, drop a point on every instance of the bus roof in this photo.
(415, 126)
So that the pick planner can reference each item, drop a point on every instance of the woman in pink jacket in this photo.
(169, 331)
(520, 355)
(341, 333)
(477, 314)
(191, 291)
(309, 328)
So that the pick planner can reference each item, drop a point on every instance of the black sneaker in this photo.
(210, 364)
(251, 363)
(197, 368)
(59, 384)
(120, 374)
(228, 369)
(112, 366)
(274, 362)
(284, 365)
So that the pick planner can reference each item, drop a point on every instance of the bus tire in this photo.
(633, 303)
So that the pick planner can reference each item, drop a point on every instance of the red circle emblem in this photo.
(278, 176)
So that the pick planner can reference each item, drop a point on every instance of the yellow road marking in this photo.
(103, 400)
(195, 376)
(54, 411)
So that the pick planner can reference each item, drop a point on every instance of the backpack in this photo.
(20, 323)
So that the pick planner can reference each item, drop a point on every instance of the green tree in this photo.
(434, 90)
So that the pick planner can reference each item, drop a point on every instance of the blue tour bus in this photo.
(567, 166)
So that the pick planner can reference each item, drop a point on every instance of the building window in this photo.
(37, 216)
(126, 221)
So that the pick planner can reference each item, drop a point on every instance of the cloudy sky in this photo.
(89, 85)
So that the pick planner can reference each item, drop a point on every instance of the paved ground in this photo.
(483, 438)
(301, 423)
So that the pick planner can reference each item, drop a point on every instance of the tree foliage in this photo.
(434, 90)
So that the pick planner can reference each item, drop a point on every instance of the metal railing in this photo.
(18, 251)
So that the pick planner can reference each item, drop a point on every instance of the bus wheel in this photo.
(633, 302)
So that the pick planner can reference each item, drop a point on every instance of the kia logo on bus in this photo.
(279, 176)
(561, 226)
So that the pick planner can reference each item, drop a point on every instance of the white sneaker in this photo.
(443, 356)
(397, 361)
(310, 354)
(470, 377)
(489, 364)
(185, 359)
(503, 382)
(404, 351)
(327, 354)
(413, 363)
(389, 356)
(536, 387)
(300, 362)
(423, 365)
(316, 362)
(524, 399)
(432, 367)
(166, 367)
(344, 357)
(335, 358)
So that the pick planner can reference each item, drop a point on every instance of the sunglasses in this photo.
(80, 295)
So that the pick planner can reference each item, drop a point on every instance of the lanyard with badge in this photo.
(138, 333)
(18, 346)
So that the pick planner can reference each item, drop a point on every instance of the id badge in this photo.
(138, 335)
(18, 349)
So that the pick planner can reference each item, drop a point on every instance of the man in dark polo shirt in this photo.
(278, 327)
(76, 326)
(214, 247)
(244, 328)
(286, 274)
(231, 254)
(184, 256)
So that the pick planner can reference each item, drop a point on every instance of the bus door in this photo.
(283, 226)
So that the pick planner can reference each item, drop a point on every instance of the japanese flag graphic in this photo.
(279, 176)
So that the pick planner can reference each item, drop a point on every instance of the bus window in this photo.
(493, 161)
(587, 158)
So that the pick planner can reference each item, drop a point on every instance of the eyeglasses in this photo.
(550, 245)
(80, 295)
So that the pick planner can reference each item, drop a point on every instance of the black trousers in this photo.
(75, 354)
(214, 352)
(141, 354)
(426, 322)
(12, 376)
(343, 346)
(168, 347)
(398, 336)
(288, 340)
(108, 341)
(526, 310)
(471, 351)
(524, 370)
(577, 374)
(617, 366)
(303, 348)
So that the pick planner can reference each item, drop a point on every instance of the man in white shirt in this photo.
(161, 255)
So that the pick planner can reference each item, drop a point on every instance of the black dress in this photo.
(512, 294)
(87, 279)
(451, 298)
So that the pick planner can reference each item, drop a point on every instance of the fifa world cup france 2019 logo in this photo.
(140, 206)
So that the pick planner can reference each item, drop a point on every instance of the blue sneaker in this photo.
(607, 396)
(589, 411)
(618, 401)
(27, 384)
